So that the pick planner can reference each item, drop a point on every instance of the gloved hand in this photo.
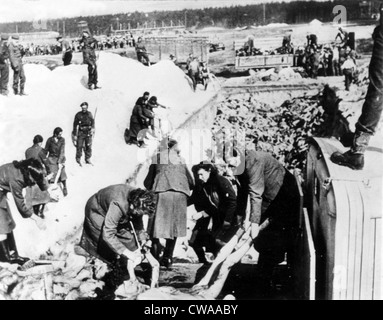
(61, 165)
(16, 68)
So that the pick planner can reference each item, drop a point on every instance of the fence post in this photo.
(160, 49)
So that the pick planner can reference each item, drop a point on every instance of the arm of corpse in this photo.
(240, 244)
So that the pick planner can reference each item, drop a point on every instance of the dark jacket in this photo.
(140, 118)
(262, 178)
(4, 53)
(217, 198)
(36, 152)
(83, 123)
(141, 101)
(11, 180)
(55, 149)
(88, 50)
(140, 47)
(107, 222)
(169, 172)
(15, 56)
(170, 178)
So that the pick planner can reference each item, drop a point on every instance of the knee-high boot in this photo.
(200, 252)
(167, 259)
(4, 251)
(14, 255)
(354, 158)
(156, 249)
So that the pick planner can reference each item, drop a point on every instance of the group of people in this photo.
(110, 231)
(114, 229)
(41, 174)
(35, 174)
(11, 56)
(336, 59)
(142, 120)
(126, 40)
(88, 45)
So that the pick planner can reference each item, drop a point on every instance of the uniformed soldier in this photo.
(82, 134)
(4, 66)
(15, 57)
(89, 56)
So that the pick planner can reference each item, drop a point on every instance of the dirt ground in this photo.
(242, 282)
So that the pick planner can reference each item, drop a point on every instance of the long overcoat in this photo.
(56, 156)
(11, 180)
(170, 178)
(34, 195)
(107, 230)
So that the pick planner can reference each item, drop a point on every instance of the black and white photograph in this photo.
(191, 151)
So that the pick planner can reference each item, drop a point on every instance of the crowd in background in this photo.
(103, 43)
(330, 59)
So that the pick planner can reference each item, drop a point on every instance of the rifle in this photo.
(94, 133)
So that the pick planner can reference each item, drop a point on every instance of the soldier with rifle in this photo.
(83, 132)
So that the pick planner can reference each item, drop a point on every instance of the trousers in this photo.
(373, 103)
(4, 78)
(84, 142)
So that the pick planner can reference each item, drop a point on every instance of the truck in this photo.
(265, 61)
(262, 61)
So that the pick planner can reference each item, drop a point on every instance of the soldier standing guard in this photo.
(15, 57)
(4, 66)
(89, 56)
(82, 134)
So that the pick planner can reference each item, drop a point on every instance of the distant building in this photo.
(39, 37)
(82, 26)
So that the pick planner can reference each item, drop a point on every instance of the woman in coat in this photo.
(34, 195)
(55, 149)
(170, 178)
(113, 226)
(139, 120)
(215, 199)
(14, 177)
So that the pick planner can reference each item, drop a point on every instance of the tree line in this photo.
(229, 17)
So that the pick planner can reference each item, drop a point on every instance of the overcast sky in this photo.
(18, 10)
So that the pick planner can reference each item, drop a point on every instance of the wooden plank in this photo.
(338, 288)
(367, 270)
(359, 209)
(377, 283)
(311, 255)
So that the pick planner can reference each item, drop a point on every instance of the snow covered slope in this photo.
(54, 97)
